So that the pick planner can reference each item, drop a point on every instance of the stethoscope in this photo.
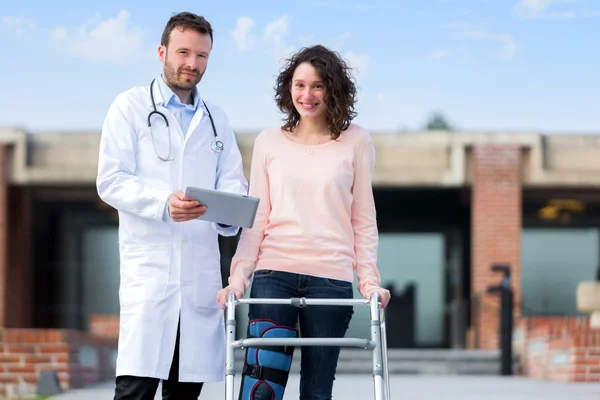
(217, 145)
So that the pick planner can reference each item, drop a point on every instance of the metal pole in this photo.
(345, 342)
(477, 318)
(230, 351)
(506, 317)
(377, 354)
(386, 375)
(506, 326)
(302, 302)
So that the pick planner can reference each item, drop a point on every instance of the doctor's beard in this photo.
(176, 80)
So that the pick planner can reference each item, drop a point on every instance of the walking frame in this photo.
(377, 343)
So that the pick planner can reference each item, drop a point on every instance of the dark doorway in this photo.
(424, 257)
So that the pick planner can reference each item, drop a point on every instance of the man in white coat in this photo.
(156, 141)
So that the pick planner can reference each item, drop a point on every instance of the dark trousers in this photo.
(318, 363)
(140, 388)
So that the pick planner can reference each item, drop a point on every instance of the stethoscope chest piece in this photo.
(217, 146)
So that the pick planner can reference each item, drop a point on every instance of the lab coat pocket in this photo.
(207, 276)
(207, 284)
(200, 167)
(207, 258)
(144, 273)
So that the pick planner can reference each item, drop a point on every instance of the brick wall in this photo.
(496, 233)
(104, 326)
(18, 256)
(3, 237)
(562, 349)
(78, 359)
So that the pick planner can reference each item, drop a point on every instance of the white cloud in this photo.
(274, 37)
(340, 41)
(16, 25)
(356, 5)
(508, 46)
(269, 89)
(589, 13)
(380, 98)
(534, 5)
(276, 44)
(543, 9)
(336, 43)
(439, 54)
(112, 39)
(276, 30)
(241, 34)
(307, 40)
(359, 63)
(361, 96)
(58, 34)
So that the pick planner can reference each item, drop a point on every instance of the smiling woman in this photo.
(315, 224)
(307, 74)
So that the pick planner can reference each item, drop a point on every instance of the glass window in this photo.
(418, 259)
(554, 262)
(100, 263)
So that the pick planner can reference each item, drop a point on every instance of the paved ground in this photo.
(409, 387)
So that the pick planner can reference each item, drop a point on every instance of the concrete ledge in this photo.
(416, 159)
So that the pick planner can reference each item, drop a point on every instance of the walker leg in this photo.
(384, 352)
(230, 351)
(377, 351)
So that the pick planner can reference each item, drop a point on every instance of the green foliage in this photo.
(437, 122)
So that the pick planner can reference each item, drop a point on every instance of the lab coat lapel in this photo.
(195, 122)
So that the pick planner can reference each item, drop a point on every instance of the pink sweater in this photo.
(316, 214)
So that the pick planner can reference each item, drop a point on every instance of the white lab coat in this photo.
(167, 267)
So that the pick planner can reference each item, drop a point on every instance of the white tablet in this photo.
(225, 208)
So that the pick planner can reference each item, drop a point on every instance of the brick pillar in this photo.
(3, 247)
(19, 277)
(496, 233)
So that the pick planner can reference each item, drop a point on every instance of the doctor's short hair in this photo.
(186, 20)
(340, 89)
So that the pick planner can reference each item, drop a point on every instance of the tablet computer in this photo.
(225, 208)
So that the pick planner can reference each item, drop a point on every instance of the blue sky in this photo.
(491, 65)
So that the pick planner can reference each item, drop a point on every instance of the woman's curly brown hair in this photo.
(340, 90)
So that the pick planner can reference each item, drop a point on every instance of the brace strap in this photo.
(263, 373)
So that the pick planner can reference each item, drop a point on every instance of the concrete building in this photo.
(450, 205)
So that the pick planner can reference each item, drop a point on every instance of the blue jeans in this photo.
(318, 363)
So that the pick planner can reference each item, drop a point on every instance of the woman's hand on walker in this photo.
(222, 295)
(384, 295)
